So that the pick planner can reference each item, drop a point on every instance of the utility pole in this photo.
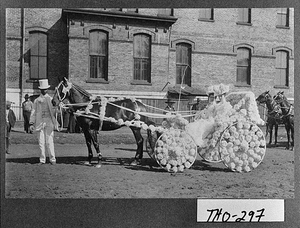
(22, 51)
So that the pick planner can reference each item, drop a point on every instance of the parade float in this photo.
(226, 130)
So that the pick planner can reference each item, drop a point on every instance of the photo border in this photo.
(131, 212)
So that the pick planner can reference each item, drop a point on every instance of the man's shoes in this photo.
(53, 163)
(41, 163)
(7, 152)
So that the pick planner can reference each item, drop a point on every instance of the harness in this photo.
(85, 111)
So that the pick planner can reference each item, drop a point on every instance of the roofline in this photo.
(123, 15)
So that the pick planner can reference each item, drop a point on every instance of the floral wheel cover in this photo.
(242, 146)
(175, 150)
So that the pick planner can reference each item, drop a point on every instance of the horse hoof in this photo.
(135, 163)
(98, 166)
(87, 163)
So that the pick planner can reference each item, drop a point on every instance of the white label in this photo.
(240, 210)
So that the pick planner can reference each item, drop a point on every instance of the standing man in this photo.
(27, 107)
(43, 121)
(170, 105)
(10, 123)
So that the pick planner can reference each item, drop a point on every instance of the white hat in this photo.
(43, 84)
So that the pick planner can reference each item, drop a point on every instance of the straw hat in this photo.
(43, 84)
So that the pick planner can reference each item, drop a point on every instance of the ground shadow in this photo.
(148, 164)
(206, 166)
(278, 145)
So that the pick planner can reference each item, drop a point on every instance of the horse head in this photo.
(62, 92)
(280, 97)
(263, 97)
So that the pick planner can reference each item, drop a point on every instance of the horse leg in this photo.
(88, 140)
(267, 130)
(96, 145)
(292, 133)
(139, 141)
(275, 134)
(287, 128)
(270, 133)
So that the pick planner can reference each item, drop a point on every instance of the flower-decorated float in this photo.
(225, 131)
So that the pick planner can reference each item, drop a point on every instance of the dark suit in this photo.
(9, 125)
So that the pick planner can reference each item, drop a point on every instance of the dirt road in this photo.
(70, 178)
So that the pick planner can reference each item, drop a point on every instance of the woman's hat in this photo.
(44, 84)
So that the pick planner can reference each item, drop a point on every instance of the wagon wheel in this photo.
(242, 146)
(175, 150)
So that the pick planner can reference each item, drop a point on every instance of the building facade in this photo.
(142, 52)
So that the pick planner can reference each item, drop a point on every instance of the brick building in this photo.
(142, 52)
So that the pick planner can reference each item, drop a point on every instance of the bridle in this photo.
(65, 91)
(274, 113)
(279, 98)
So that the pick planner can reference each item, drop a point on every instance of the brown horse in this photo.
(288, 117)
(89, 117)
(273, 116)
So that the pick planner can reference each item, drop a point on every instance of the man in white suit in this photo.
(43, 121)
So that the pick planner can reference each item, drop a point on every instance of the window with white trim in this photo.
(98, 54)
(183, 63)
(38, 55)
(142, 57)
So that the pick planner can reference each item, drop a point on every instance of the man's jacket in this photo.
(36, 113)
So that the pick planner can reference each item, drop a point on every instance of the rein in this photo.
(88, 114)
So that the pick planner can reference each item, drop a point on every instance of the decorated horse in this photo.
(96, 113)
(287, 116)
(274, 114)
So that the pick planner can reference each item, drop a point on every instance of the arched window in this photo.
(38, 55)
(282, 68)
(183, 63)
(98, 52)
(243, 66)
(142, 57)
